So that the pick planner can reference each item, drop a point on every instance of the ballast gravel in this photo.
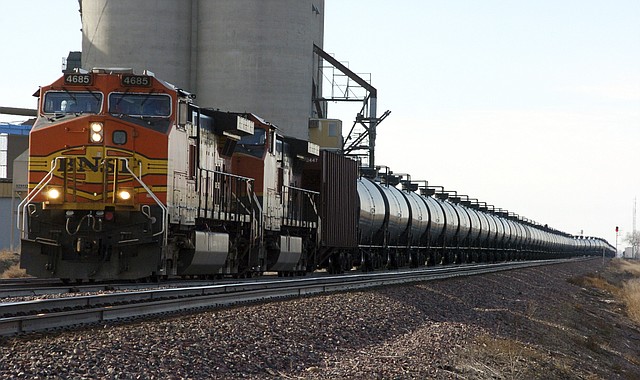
(401, 332)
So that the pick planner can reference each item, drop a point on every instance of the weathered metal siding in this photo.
(6, 188)
(7, 223)
(334, 176)
(16, 145)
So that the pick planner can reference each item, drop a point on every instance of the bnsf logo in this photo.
(92, 169)
(93, 165)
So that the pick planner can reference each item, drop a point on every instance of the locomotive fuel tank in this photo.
(211, 251)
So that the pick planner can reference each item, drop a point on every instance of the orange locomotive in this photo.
(129, 179)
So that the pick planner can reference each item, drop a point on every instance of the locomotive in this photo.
(130, 179)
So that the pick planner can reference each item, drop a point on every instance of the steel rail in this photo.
(42, 315)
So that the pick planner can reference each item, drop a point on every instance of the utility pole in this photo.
(634, 244)
(617, 243)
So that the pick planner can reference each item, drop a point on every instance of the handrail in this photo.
(34, 193)
(21, 221)
(223, 190)
(302, 190)
(289, 198)
(148, 190)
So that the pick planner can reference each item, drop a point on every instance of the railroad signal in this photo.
(616, 228)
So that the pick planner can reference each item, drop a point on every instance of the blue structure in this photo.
(15, 129)
(14, 140)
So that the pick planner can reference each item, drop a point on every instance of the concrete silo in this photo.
(150, 35)
(236, 55)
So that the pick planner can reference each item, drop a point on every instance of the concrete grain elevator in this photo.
(235, 55)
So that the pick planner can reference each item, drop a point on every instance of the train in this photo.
(130, 179)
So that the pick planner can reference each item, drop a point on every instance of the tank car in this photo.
(129, 179)
(417, 225)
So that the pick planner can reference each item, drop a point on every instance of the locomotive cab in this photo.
(96, 206)
(289, 213)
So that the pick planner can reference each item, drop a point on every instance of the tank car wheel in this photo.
(336, 263)
(431, 261)
(451, 258)
(366, 264)
(65, 281)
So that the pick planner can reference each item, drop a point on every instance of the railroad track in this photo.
(68, 312)
(30, 287)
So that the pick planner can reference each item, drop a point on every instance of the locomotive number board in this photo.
(135, 81)
(78, 79)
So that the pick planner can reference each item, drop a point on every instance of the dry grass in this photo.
(631, 267)
(631, 297)
(503, 358)
(14, 272)
(7, 255)
(10, 265)
(623, 284)
(630, 287)
(595, 281)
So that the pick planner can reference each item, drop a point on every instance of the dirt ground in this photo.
(579, 329)
(560, 321)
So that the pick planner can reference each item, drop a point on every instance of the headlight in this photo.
(125, 195)
(54, 195)
(96, 127)
(96, 132)
(96, 137)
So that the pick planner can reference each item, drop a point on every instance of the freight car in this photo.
(129, 179)
(417, 225)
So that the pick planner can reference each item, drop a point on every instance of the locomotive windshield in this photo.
(253, 144)
(149, 105)
(72, 102)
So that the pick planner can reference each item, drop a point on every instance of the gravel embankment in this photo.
(421, 331)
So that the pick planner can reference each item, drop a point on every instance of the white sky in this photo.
(532, 106)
